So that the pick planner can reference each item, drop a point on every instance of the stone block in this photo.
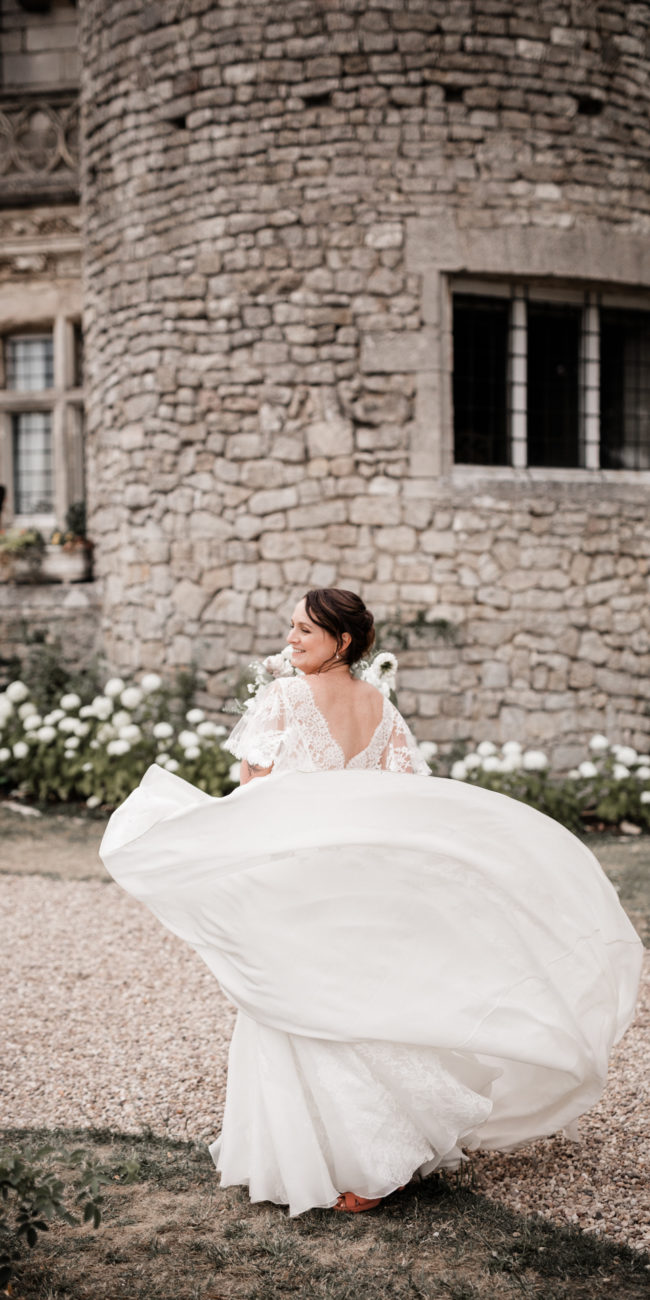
(267, 503)
(332, 437)
(189, 599)
(374, 510)
(400, 539)
(228, 606)
(392, 352)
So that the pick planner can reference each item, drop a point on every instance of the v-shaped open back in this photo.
(321, 717)
(285, 730)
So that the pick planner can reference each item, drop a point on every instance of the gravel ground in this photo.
(110, 1021)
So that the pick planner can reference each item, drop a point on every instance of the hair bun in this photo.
(342, 612)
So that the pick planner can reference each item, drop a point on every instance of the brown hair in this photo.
(339, 611)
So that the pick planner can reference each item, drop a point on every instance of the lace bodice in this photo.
(284, 727)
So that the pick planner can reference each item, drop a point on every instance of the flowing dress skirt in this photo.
(420, 967)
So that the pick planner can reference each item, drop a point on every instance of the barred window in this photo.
(41, 422)
(538, 381)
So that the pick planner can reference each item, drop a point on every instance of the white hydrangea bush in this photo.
(609, 787)
(98, 751)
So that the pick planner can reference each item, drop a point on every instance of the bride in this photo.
(421, 967)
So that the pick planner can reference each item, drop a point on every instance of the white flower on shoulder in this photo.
(382, 672)
(279, 665)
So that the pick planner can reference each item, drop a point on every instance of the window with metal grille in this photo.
(30, 363)
(41, 423)
(32, 457)
(542, 382)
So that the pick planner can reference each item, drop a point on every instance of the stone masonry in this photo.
(277, 199)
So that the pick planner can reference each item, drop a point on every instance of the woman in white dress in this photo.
(421, 967)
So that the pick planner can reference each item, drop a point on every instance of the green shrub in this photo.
(33, 1193)
(98, 750)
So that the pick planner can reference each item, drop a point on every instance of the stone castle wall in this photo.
(277, 199)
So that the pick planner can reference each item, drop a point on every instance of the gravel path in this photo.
(109, 1020)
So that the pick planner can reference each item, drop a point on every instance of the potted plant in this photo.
(68, 555)
(21, 554)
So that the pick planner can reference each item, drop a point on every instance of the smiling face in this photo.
(312, 647)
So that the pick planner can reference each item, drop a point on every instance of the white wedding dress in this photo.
(421, 966)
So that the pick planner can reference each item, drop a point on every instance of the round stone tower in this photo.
(313, 230)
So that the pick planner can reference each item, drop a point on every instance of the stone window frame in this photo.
(590, 303)
(44, 309)
(587, 255)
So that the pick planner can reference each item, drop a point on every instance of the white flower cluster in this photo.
(512, 757)
(75, 744)
(622, 761)
(381, 672)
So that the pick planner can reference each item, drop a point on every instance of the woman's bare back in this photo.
(351, 708)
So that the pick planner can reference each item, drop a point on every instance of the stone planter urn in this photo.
(67, 563)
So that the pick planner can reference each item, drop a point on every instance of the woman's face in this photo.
(311, 645)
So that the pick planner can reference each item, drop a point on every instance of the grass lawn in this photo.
(170, 1233)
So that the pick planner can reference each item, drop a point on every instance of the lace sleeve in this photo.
(258, 735)
(401, 754)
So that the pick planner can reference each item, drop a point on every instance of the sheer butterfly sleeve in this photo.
(402, 754)
(259, 734)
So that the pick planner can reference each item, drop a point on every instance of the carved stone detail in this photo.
(39, 147)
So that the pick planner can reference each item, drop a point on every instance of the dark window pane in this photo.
(30, 363)
(78, 356)
(553, 385)
(480, 368)
(624, 389)
(33, 488)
